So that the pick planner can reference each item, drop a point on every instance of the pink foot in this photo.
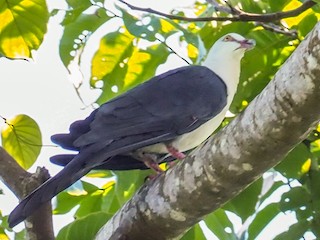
(175, 152)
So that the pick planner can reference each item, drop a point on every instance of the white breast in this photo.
(192, 139)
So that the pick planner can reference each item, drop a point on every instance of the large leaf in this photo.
(294, 199)
(262, 219)
(194, 233)
(110, 202)
(85, 194)
(21, 138)
(118, 65)
(22, 27)
(291, 166)
(244, 204)
(128, 183)
(293, 4)
(84, 228)
(78, 27)
(90, 204)
(218, 222)
(65, 202)
(295, 232)
(140, 29)
(152, 28)
(109, 63)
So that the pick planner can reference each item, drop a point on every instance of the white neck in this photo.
(227, 67)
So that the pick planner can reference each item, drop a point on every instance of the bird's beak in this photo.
(247, 44)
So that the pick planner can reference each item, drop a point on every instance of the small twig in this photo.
(173, 51)
(277, 29)
(233, 10)
(241, 17)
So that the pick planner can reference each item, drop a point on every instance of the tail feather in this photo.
(44, 193)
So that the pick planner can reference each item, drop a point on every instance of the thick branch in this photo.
(238, 16)
(274, 123)
(20, 182)
(11, 173)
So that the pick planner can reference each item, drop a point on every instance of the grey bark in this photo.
(259, 138)
(20, 182)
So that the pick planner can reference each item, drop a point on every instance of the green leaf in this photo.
(314, 185)
(270, 52)
(119, 64)
(295, 198)
(90, 204)
(140, 29)
(65, 202)
(77, 30)
(262, 219)
(84, 4)
(99, 174)
(306, 24)
(218, 222)
(128, 183)
(3, 235)
(89, 197)
(109, 63)
(244, 204)
(110, 202)
(21, 138)
(20, 235)
(295, 232)
(291, 166)
(22, 27)
(88, 187)
(315, 227)
(84, 228)
(195, 233)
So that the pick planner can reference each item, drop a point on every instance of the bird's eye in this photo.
(227, 38)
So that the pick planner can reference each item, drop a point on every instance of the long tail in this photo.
(44, 193)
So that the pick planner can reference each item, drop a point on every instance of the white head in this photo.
(224, 59)
(232, 45)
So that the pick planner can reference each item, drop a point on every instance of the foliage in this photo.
(23, 25)
(21, 137)
(129, 55)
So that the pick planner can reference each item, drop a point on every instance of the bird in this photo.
(166, 116)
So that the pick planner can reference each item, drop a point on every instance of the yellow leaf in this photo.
(192, 51)
(109, 184)
(136, 66)
(21, 138)
(244, 103)
(3, 236)
(23, 24)
(295, 20)
(306, 166)
(317, 143)
(166, 26)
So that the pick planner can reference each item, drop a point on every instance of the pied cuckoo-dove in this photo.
(169, 114)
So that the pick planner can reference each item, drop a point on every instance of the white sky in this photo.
(42, 90)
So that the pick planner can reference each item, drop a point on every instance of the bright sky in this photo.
(42, 90)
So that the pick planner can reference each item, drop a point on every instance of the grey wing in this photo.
(163, 108)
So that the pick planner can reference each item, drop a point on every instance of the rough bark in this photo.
(259, 138)
(20, 182)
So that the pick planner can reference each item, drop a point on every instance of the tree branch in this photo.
(274, 123)
(238, 16)
(20, 182)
